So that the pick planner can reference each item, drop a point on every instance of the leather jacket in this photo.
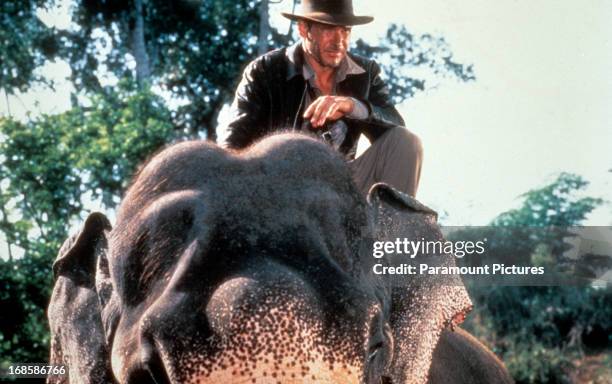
(270, 98)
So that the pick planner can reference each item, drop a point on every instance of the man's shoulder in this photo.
(275, 54)
(273, 59)
(362, 61)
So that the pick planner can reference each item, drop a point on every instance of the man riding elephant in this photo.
(253, 265)
(316, 86)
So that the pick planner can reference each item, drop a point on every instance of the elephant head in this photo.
(246, 267)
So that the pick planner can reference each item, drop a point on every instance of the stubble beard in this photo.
(315, 53)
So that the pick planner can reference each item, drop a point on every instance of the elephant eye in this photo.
(380, 348)
(375, 364)
(154, 251)
(187, 218)
(374, 350)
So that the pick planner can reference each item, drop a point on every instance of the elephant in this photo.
(254, 266)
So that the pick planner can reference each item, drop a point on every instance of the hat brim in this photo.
(325, 18)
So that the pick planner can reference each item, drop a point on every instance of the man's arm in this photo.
(250, 107)
(382, 113)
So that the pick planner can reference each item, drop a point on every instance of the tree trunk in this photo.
(7, 236)
(210, 120)
(8, 104)
(139, 48)
(10, 252)
(291, 21)
(264, 28)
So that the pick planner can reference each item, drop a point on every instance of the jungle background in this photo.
(147, 73)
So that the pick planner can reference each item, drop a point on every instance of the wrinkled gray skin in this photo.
(253, 267)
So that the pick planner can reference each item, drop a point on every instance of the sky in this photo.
(541, 104)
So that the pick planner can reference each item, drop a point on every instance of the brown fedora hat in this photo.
(334, 12)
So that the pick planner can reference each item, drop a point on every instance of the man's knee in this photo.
(407, 141)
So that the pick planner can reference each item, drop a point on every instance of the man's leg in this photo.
(395, 158)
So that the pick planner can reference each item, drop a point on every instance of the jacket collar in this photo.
(298, 66)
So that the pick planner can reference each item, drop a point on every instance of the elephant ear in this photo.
(74, 312)
(421, 305)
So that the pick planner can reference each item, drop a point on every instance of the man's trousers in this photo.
(394, 158)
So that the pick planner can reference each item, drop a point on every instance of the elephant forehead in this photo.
(250, 202)
(280, 183)
(270, 204)
(282, 161)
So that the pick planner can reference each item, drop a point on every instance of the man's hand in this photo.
(326, 108)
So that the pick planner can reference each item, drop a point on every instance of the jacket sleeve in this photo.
(250, 108)
(382, 111)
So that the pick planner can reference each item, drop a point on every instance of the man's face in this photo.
(326, 44)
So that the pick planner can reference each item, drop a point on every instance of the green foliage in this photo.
(538, 330)
(25, 43)
(196, 50)
(24, 294)
(48, 167)
(122, 128)
(553, 205)
(552, 314)
(536, 363)
(539, 227)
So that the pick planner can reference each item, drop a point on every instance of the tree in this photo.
(401, 53)
(540, 225)
(25, 43)
(194, 50)
(555, 207)
(555, 204)
(264, 28)
(538, 329)
(49, 168)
